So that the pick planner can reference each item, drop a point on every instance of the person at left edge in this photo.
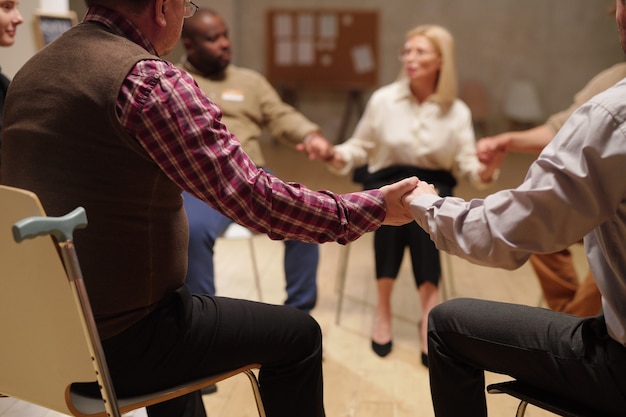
(10, 18)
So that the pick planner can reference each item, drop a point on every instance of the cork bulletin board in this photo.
(49, 26)
(322, 48)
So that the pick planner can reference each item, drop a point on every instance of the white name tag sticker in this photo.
(232, 95)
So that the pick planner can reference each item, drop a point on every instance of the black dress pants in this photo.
(189, 337)
(570, 356)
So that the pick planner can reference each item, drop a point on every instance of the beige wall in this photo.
(557, 44)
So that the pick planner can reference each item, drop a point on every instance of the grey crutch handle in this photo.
(60, 227)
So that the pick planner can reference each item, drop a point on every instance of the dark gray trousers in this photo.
(569, 356)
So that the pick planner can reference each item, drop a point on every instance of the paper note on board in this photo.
(284, 53)
(306, 52)
(328, 26)
(282, 25)
(362, 59)
(306, 25)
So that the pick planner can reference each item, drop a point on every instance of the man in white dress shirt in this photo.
(575, 189)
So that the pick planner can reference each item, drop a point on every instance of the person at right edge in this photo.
(574, 190)
(560, 284)
(414, 126)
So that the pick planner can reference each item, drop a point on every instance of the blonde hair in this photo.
(446, 89)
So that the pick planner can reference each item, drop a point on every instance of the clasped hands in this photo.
(398, 197)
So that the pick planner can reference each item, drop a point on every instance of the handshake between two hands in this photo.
(398, 197)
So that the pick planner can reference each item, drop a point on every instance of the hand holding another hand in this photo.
(397, 197)
(316, 147)
(490, 150)
(423, 188)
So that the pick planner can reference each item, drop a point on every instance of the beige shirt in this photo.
(397, 130)
(249, 104)
(597, 84)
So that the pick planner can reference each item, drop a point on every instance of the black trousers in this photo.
(192, 336)
(389, 245)
(570, 356)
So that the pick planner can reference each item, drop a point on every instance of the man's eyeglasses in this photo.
(190, 9)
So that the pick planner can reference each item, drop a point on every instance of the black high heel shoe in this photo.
(382, 350)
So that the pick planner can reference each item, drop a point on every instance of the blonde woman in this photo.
(414, 126)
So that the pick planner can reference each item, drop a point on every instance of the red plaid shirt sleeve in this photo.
(180, 128)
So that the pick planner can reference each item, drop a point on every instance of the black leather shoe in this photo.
(382, 350)
(425, 359)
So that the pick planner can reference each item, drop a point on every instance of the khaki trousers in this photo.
(561, 287)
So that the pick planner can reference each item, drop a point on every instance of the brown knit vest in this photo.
(62, 140)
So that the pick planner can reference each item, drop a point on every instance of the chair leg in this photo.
(257, 393)
(255, 268)
(521, 409)
(447, 277)
(344, 252)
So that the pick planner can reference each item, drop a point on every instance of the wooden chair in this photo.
(49, 337)
(539, 398)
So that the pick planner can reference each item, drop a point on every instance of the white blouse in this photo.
(397, 130)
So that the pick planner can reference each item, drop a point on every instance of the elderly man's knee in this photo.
(309, 330)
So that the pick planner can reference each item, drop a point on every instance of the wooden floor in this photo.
(357, 382)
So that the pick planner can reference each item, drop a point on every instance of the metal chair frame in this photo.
(50, 340)
(539, 398)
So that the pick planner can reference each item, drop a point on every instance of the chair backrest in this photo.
(44, 348)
